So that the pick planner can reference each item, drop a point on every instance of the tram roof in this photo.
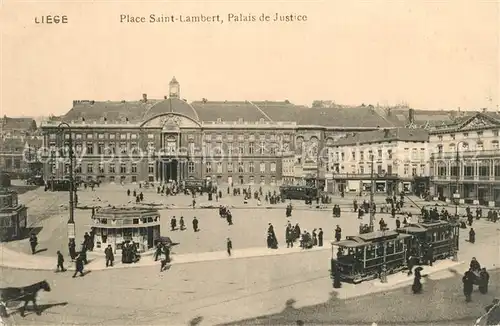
(123, 212)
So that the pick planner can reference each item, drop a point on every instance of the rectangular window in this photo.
(190, 167)
(241, 148)
(90, 148)
(406, 169)
(251, 167)
(101, 168)
(468, 171)
(123, 136)
(151, 136)
(262, 148)
(219, 167)
(230, 167)
(134, 167)
(208, 167)
(90, 168)
(100, 148)
(111, 168)
(90, 136)
(361, 156)
(123, 168)
(273, 167)
(241, 167)
(123, 148)
(151, 168)
(100, 136)
(414, 170)
(262, 167)
(134, 178)
(353, 154)
(229, 149)
(251, 147)
(78, 169)
(112, 136)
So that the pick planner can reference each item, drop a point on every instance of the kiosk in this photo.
(115, 226)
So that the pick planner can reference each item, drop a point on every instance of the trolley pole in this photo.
(372, 192)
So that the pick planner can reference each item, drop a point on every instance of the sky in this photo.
(428, 54)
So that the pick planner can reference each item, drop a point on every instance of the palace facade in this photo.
(239, 142)
(465, 160)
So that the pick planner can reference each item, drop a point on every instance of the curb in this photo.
(410, 279)
(173, 262)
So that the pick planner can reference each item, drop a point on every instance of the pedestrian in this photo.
(338, 233)
(417, 284)
(229, 246)
(158, 250)
(472, 236)
(33, 243)
(79, 266)
(398, 223)
(468, 281)
(195, 224)
(484, 279)
(60, 262)
(181, 223)
(320, 237)
(314, 237)
(173, 223)
(72, 249)
(110, 257)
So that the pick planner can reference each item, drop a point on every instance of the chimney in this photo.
(165, 97)
(411, 116)
(387, 133)
(145, 97)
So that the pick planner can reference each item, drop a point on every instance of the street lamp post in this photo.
(71, 221)
(372, 190)
(456, 195)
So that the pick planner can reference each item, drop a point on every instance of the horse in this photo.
(26, 294)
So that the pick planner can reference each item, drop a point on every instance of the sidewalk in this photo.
(12, 259)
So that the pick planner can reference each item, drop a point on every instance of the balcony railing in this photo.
(466, 153)
(363, 175)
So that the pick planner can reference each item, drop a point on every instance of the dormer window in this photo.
(261, 120)
(219, 120)
(240, 120)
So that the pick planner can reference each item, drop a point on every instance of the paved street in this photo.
(233, 290)
(260, 290)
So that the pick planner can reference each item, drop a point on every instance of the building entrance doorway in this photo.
(170, 170)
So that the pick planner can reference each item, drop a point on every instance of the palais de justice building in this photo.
(240, 142)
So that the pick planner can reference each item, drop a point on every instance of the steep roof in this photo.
(384, 135)
(361, 116)
(116, 111)
(11, 124)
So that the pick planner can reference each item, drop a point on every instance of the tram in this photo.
(298, 192)
(362, 257)
(441, 236)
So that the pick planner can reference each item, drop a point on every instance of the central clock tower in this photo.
(174, 88)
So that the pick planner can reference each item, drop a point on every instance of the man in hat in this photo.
(109, 256)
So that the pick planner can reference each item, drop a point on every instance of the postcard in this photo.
(282, 162)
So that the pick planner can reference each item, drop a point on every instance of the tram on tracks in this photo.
(433, 239)
(365, 256)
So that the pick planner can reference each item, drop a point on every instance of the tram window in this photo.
(390, 247)
(144, 220)
(104, 220)
(399, 246)
(150, 219)
(370, 252)
(380, 250)
(135, 221)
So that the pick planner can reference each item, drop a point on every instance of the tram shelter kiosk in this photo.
(115, 226)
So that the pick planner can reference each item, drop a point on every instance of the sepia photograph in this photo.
(323, 162)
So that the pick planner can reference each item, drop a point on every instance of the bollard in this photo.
(383, 274)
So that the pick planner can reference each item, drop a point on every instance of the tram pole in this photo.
(372, 190)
